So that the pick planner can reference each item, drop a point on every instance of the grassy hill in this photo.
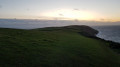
(55, 47)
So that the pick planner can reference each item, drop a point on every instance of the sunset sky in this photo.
(95, 10)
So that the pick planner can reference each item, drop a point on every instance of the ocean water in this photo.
(111, 33)
(106, 32)
(31, 24)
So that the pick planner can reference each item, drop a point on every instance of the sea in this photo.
(107, 32)
(111, 33)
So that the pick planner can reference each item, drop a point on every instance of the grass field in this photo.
(53, 47)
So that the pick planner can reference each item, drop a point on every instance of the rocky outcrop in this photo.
(84, 30)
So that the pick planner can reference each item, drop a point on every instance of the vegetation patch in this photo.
(55, 47)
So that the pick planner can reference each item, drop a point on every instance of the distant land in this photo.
(67, 46)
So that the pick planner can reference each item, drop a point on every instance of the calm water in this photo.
(105, 32)
(109, 32)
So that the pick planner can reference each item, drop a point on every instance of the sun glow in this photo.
(70, 14)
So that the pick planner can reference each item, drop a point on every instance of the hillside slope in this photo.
(55, 47)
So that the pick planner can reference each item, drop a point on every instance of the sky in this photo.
(95, 10)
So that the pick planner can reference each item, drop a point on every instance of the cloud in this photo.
(76, 9)
(0, 6)
(102, 19)
(61, 15)
(82, 9)
(28, 9)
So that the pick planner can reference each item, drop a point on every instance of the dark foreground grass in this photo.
(53, 47)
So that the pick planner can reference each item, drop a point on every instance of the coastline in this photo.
(112, 44)
(92, 33)
(86, 31)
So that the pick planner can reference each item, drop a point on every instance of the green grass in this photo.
(53, 47)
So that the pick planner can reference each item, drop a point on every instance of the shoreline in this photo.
(112, 44)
